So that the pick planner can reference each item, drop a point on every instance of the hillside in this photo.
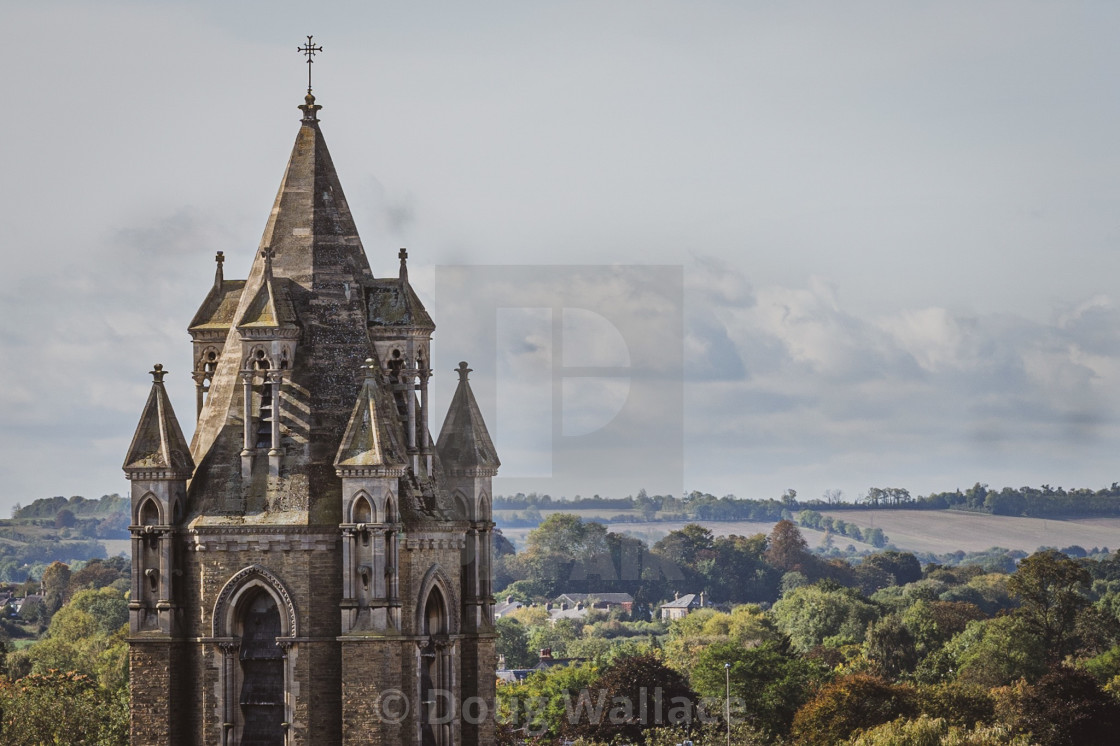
(65, 529)
(943, 531)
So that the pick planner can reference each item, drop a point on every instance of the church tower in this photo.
(313, 568)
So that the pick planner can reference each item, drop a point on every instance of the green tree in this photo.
(815, 615)
(993, 652)
(890, 646)
(62, 708)
(934, 623)
(628, 696)
(770, 681)
(87, 635)
(1051, 588)
(513, 643)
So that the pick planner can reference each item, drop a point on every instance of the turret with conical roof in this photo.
(470, 462)
(158, 466)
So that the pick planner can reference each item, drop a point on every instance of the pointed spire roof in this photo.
(310, 270)
(464, 444)
(271, 307)
(367, 445)
(393, 302)
(158, 445)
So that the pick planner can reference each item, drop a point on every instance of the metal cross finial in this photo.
(309, 51)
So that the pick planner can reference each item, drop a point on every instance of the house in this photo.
(604, 601)
(682, 606)
(508, 607)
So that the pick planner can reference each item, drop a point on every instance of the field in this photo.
(942, 531)
(113, 547)
(937, 531)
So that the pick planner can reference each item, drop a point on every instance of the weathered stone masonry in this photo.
(313, 568)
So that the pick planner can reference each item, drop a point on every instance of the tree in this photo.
(513, 643)
(927, 731)
(934, 623)
(890, 646)
(55, 585)
(815, 615)
(87, 635)
(902, 566)
(769, 680)
(1065, 707)
(1050, 586)
(787, 550)
(848, 704)
(629, 695)
(57, 708)
(995, 652)
(65, 519)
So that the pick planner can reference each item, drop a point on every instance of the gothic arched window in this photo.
(261, 696)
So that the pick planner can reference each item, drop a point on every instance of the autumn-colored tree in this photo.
(1065, 708)
(631, 694)
(848, 704)
(55, 586)
(927, 731)
(957, 703)
(787, 550)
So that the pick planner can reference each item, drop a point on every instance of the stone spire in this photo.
(464, 444)
(158, 446)
(308, 277)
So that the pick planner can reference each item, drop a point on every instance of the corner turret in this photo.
(470, 462)
(158, 466)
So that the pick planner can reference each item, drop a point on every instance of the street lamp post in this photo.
(727, 700)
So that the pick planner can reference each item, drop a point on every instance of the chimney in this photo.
(546, 654)
(701, 598)
(676, 595)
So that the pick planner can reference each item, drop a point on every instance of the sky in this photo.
(807, 245)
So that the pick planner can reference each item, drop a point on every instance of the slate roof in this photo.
(368, 443)
(686, 601)
(158, 444)
(611, 599)
(219, 307)
(393, 302)
(464, 443)
(271, 308)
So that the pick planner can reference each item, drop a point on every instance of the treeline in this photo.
(80, 507)
(1035, 502)
(885, 652)
(59, 528)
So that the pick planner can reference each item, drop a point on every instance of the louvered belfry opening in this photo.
(262, 670)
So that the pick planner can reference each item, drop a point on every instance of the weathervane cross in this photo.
(309, 51)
